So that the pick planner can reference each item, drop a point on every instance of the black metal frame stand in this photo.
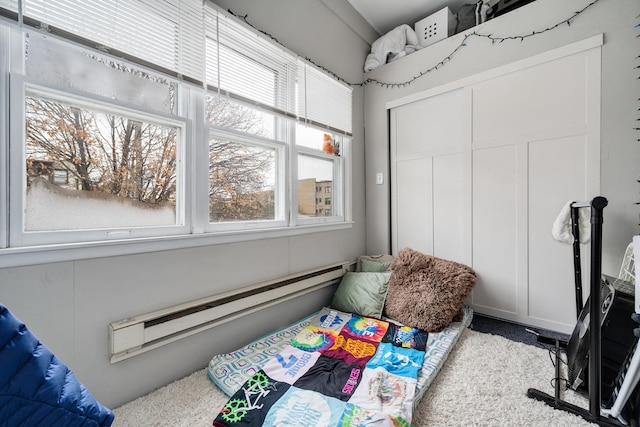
(577, 265)
(595, 319)
(577, 272)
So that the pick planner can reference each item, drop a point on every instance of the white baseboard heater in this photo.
(139, 334)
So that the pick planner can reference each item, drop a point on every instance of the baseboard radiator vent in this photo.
(139, 334)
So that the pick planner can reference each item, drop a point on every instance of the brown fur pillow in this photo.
(427, 292)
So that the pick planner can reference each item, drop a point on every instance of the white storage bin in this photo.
(435, 27)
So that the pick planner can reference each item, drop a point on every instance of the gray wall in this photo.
(620, 152)
(69, 305)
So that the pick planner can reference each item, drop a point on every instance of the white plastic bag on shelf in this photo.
(398, 42)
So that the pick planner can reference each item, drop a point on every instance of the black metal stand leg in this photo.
(593, 414)
(568, 407)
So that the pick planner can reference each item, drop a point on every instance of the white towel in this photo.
(561, 230)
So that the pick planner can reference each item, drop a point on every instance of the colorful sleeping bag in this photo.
(342, 369)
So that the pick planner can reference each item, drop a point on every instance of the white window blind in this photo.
(243, 63)
(11, 5)
(246, 65)
(167, 33)
(323, 100)
(197, 40)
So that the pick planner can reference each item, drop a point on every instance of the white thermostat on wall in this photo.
(435, 27)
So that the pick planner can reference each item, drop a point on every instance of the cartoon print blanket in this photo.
(343, 369)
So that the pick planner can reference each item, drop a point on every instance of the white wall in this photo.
(69, 305)
(620, 152)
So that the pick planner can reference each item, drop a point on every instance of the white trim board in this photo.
(553, 54)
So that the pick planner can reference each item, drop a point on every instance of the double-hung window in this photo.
(144, 120)
(275, 107)
(114, 129)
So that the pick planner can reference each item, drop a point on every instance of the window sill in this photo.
(32, 255)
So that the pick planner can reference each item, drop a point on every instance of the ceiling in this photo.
(385, 15)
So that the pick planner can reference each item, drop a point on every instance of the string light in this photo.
(441, 63)
(449, 57)
(490, 37)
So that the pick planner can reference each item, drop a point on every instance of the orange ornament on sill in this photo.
(327, 145)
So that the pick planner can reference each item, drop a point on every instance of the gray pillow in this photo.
(374, 266)
(362, 293)
(374, 263)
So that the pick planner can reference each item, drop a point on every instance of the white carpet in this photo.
(484, 383)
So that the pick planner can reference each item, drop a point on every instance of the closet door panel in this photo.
(429, 125)
(480, 171)
(533, 101)
(448, 207)
(414, 217)
(495, 234)
(557, 174)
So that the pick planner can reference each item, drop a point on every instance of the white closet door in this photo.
(495, 229)
(480, 171)
(558, 172)
(414, 200)
(427, 175)
(448, 207)
(535, 147)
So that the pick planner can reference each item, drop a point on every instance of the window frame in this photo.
(60, 177)
(281, 179)
(340, 190)
(21, 85)
(17, 251)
